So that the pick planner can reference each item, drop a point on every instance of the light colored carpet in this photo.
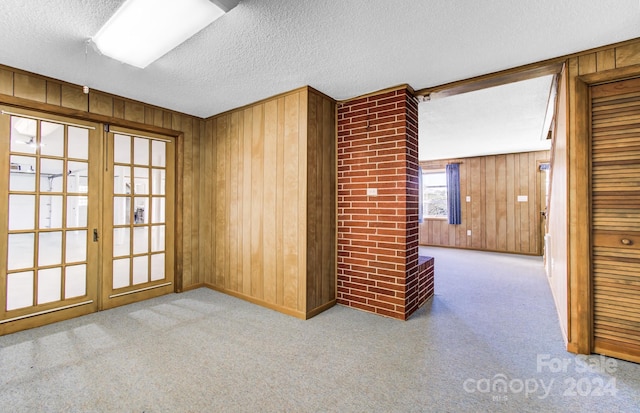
(201, 351)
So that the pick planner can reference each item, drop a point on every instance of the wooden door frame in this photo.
(46, 109)
(580, 279)
(541, 204)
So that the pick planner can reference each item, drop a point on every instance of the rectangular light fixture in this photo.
(142, 31)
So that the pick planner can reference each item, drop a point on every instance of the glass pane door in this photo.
(49, 177)
(138, 222)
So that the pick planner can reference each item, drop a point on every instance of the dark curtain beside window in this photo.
(453, 194)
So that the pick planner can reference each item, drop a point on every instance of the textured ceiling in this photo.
(344, 48)
(503, 119)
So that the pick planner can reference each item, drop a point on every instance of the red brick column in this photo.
(378, 234)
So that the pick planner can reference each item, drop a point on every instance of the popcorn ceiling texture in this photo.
(343, 48)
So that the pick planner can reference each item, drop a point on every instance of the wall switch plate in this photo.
(523, 198)
(372, 191)
(468, 232)
(468, 198)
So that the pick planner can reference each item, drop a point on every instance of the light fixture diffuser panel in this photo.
(142, 31)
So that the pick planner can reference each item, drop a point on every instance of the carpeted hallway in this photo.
(489, 341)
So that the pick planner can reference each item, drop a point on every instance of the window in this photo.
(434, 194)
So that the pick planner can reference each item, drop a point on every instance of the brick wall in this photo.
(378, 235)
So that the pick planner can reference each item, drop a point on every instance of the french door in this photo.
(138, 218)
(86, 218)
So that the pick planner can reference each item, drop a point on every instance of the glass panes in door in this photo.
(139, 218)
(46, 179)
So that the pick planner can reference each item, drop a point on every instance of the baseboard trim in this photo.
(281, 309)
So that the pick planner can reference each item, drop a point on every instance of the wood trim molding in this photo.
(84, 115)
(579, 291)
(494, 79)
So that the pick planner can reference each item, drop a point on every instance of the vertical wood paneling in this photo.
(329, 195)
(187, 188)
(6, 82)
(314, 164)
(270, 194)
(291, 193)
(29, 87)
(511, 202)
(191, 202)
(221, 178)
(490, 203)
(587, 63)
(523, 207)
(280, 200)
(231, 276)
(247, 120)
(275, 202)
(101, 104)
(627, 55)
(606, 59)
(74, 98)
(118, 109)
(501, 203)
(498, 222)
(54, 93)
(477, 198)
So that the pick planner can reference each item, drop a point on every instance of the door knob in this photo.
(626, 241)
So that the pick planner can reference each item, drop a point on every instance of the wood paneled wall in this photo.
(268, 204)
(27, 90)
(616, 62)
(497, 221)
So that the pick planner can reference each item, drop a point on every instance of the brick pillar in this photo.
(378, 234)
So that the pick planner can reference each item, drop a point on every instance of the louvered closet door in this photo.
(616, 218)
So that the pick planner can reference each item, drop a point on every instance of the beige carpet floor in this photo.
(489, 341)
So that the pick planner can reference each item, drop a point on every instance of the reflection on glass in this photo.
(78, 177)
(50, 248)
(157, 209)
(78, 140)
(158, 153)
(158, 182)
(49, 285)
(76, 246)
(22, 173)
(120, 273)
(140, 240)
(20, 251)
(75, 281)
(76, 211)
(51, 172)
(141, 178)
(140, 270)
(22, 212)
(50, 211)
(121, 148)
(157, 267)
(23, 135)
(121, 179)
(141, 211)
(19, 290)
(157, 238)
(52, 139)
(121, 238)
(141, 151)
(121, 210)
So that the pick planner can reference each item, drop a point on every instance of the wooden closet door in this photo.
(615, 209)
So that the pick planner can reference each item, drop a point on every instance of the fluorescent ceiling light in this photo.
(142, 31)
